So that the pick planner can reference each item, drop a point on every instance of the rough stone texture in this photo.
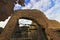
(54, 24)
(52, 30)
(50, 26)
(6, 8)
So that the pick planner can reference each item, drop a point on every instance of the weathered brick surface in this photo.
(6, 8)
(37, 16)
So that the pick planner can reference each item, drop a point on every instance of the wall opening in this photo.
(28, 29)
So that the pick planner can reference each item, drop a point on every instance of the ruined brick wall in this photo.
(35, 15)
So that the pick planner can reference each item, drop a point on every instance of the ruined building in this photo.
(40, 29)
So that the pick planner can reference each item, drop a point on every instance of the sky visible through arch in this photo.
(51, 8)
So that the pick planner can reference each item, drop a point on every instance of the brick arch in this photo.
(32, 19)
(36, 15)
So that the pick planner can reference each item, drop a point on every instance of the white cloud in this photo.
(24, 22)
(54, 12)
(17, 7)
(51, 8)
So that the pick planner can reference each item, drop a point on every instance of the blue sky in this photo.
(51, 8)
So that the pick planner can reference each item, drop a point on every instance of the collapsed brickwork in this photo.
(51, 27)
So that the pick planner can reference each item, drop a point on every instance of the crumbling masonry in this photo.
(50, 27)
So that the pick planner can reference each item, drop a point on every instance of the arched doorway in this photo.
(26, 31)
(37, 16)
